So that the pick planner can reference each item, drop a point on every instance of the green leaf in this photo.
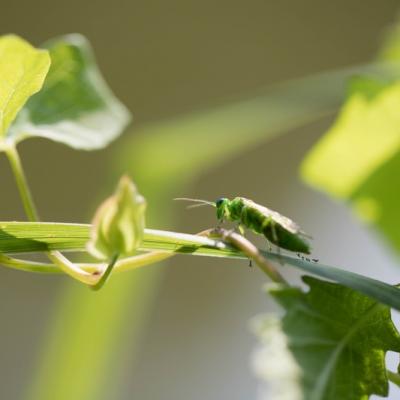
(75, 106)
(22, 70)
(22, 237)
(378, 290)
(118, 225)
(358, 160)
(364, 137)
(332, 341)
(19, 237)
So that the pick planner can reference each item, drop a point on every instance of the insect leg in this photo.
(276, 239)
(274, 233)
(279, 255)
(240, 228)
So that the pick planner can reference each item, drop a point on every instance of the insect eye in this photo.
(220, 201)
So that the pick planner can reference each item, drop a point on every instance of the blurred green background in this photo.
(164, 59)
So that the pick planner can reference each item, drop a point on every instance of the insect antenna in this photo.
(197, 205)
(199, 202)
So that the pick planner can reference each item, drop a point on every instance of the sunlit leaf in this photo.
(75, 106)
(365, 136)
(358, 159)
(22, 72)
(330, 345)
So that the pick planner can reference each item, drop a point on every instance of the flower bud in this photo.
(118, 225)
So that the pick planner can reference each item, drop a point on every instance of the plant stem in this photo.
(107, 272)
(30, 209)
(130, 263)
(22, 183)
(123, 265)
(28, 266)
(250, 251)
(393, 377)
(72, 269)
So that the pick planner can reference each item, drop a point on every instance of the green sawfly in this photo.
(276, 228)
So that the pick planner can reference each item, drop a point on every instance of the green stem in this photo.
(28, 266)
(393, 377)
(130, 263)
(103, 278)
(22, 183)
(30, 209)
(251, 251)
(123, 265)
(72, 269)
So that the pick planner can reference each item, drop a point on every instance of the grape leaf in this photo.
(23, 70)
(330, 344)
(358, 159)
(355, 146)
(75, 106)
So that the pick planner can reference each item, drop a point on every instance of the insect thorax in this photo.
(235, 209)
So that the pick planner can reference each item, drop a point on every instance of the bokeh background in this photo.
(180, 330)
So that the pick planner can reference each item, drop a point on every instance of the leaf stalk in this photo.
(30, 209)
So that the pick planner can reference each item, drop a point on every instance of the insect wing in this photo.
(285, 222)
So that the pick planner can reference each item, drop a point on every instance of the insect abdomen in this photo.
(285, 239)
(261, 220)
